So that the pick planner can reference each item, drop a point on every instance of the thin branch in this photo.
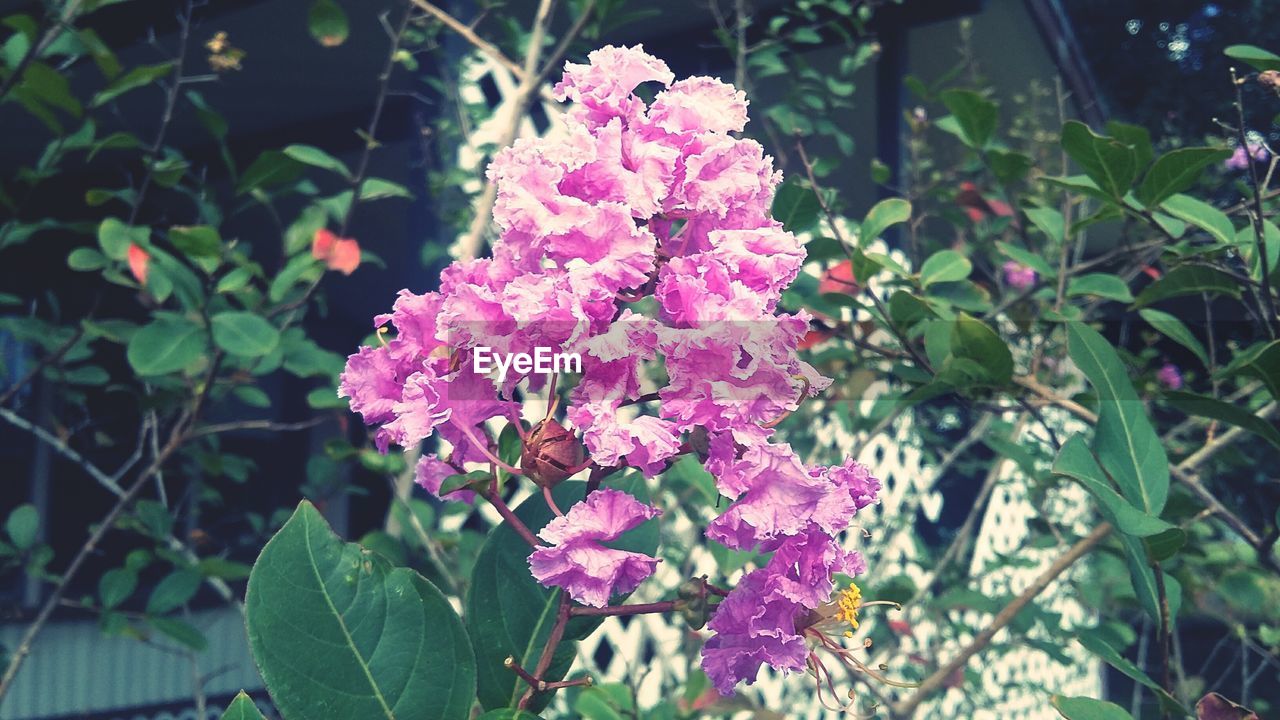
(254, 425)
(548, 650)
(935, 681)
(467, 33)
(170, 103)
(46, 361)
(624, 610)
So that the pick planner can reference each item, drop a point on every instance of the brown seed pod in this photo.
(551, 453)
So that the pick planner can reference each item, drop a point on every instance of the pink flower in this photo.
(1170, 376)
(580, 563)
(1241, 157)
(341, 254)
(1019, 276)
(139, 263)
(603, 87)
(754, 626)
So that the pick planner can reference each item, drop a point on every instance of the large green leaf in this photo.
(242, 708)
(1077, 462)
(166, 345)
(1125, 442)
(882, 216)
(1257, 57)
(1103, 285)
(244, 333)
(972, 339)
(1202, 215)
(1175, 330)
(944, 266)
(1175, 172)
(314, 156)
(1094, 643)
(796, 207)
(339, 634)
(1263, 362)
(1083, 708)
(975, 115)
(509, 614)
(1204, 406)
(1143, 577)
(1110, 163)
(1189, 280)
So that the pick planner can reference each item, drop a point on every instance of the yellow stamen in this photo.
(847, 604)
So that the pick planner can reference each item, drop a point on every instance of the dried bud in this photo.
(1270, 79)
(551, 453)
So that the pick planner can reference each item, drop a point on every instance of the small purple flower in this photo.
(1170, 376)
(754, 626)
(1019, 276)
(578, 560)
(1239, 159)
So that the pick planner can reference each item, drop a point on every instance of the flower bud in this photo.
(551, 453)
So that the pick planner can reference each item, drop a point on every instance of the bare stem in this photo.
(935, 681)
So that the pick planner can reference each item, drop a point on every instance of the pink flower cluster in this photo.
(637, 200)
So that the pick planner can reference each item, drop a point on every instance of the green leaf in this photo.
(1204, 406)
(86, 259)
(1260, 59)
(1093, 642)
(796, 207)
(242, 708)
(244, 333)
(882, 216)
(1078, 463)
(173, 591)
(1175, 330)
(944, 266)
(115, 586)
(1202, 215)
(1049, 221)
(114, 237)
(270, 169)
(22, 526)
(338, 633)
(1125, 441)
(508, 714)
(165, 345)
(1188, 280)
(1176, 172)
(1103, 285)
(975, 115)
(1035, 261)
(1263, 362)
(327, 22)
(181, 632)
(1145, 587)
(196, 240)
(235, 280)
(1110, 163)
(135, 78)
(1136, 137)
(974, 340)
(509, 614)
(1164, 545)
(314, 156)
(1083, 708)
(377, 188)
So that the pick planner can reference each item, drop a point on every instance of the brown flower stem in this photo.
(625, 610)
(514, 666)
(516, 523)
(1165, 630)
(548, 650)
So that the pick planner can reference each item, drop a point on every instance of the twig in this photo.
(516, 523)
(170, 103)
(1255, 218)
(470, 36)
(384, 82)
(548, 650)
(104, 526)
(254, 425)
(531, 80)
(935, 681)
(44, 362)
(625, 610)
